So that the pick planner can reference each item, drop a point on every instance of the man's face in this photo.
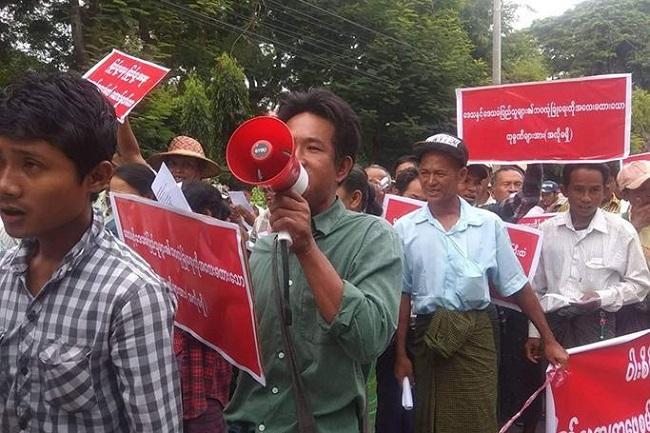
(472, 189)
(440, 177)
(404, 166)
(314, 138)
(548, 198)
(414, 190)
(40, 191)
(585, 192)
(640, 196)
(184, 168)
(507, 182)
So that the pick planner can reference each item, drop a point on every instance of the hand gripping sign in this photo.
(125, 80)
(605, 389)
(562, 120)
(203, 260)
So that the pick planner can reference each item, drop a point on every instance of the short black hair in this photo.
(405, 178)
(202, 196)
(570, 168)
(357, 180)
(503, 169)
(405, 158)
(325, 104)
(380, 167)
(139, 176)
(64, 110)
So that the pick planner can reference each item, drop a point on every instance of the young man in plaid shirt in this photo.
(85, 325)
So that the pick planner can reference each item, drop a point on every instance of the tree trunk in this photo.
(80, 54)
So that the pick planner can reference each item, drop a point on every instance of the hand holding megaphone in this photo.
(261, 152)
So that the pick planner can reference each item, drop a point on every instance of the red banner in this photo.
(396, 206)
(605, 389)
(535, 221)
(637, 157)
(125, 80)
(203, 260)
(563, 120)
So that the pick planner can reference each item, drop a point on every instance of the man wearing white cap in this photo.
(634, 182)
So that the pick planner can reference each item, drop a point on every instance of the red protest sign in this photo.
(527, 244)
(637, 157)
(396, 206)
(125, 80)
(563, 120)
(606, 388)
(205, 264)
(535, 221)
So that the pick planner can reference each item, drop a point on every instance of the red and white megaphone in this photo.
(261, 152)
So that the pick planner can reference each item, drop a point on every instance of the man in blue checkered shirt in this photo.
(85, 325)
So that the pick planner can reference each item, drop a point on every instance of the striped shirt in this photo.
(92, 351)
(606, 258)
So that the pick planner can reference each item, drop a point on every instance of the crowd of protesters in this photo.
(87, 336)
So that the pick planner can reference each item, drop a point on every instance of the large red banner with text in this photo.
(203, 260)
(125, 80)
(526, 241)
(605, 388)
(563, 120)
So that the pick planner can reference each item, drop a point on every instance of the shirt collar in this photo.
(324, 222)
(20, 260)
(598, 222)
(469, 216)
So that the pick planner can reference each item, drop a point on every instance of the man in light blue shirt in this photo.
(453, 253)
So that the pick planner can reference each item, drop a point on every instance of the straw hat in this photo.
(186, 146)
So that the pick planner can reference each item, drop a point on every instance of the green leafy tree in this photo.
(195, 114)
(599, 37)
(640, 121)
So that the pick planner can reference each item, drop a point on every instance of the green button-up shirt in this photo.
(332, 358)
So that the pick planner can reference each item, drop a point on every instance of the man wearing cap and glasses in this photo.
(452, 252)
(551, 198)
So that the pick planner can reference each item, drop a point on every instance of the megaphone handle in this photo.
(285, 236)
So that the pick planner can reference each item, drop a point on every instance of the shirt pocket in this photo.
(597, 273)
(65, 376)
(474, 283)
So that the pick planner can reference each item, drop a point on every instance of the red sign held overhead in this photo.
(205, 264)
(563, 120)
(606, 388)
(125, 80)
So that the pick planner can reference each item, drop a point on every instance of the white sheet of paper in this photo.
(167, 190)
(238, 198)
(407, 395)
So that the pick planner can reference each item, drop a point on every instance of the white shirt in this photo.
(6, 241)
(607, 258)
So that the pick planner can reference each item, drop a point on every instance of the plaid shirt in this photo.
(92, 352)
(204, 374)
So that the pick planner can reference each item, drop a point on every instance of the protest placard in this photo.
(395, 207)
(125, 80)
(562, 120)
(537, 220)
(605, 389)
(203, 260)
(637, 157)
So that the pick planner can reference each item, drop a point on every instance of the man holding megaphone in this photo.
(338, 310)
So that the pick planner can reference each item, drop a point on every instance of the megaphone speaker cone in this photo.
(261, 152)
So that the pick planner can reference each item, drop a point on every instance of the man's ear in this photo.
(99, 177)
(355, 200)
(563, 189)
(343, 168)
